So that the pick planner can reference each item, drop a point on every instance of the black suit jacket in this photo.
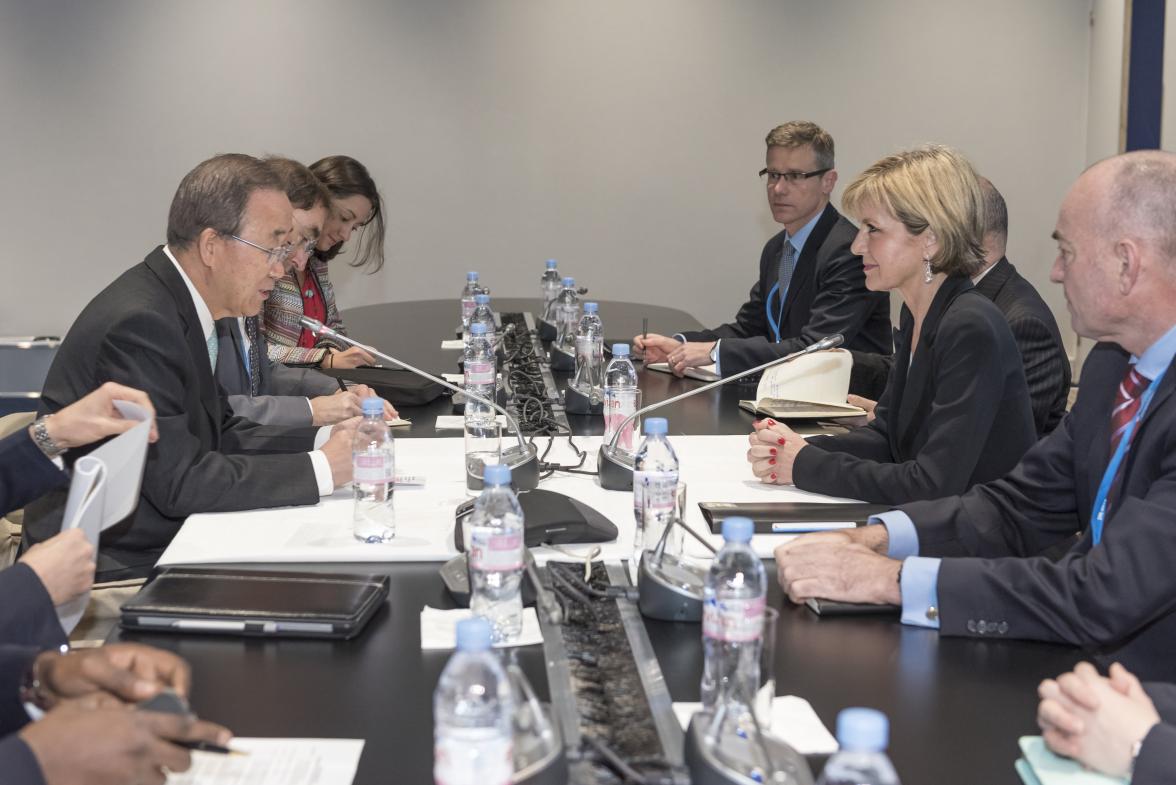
(143, 331)
(1047, 368)
(1117, 600)
(27, 615)
(956, 417)
(17, 761)
(1157, 756)
(827, 294)
(25, 472)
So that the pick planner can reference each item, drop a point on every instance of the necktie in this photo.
(253, 333)
(787, 265)
(213, 348)
(1127, 402)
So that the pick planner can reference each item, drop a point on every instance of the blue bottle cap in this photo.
(862, 729)
(372, 405)
(482, 299)
(550, 264)
(738, 529)
(569, 281)
(473, 634)
(477, 328)
(496, 474)
(591, 307)
(620, 350)
(656, 425)
(471, 276)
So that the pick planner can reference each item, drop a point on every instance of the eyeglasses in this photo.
(791, 177)
(308, 246)
(280, 255)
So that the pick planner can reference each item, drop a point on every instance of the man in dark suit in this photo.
(227, 242)
(1108, 471)
(810, 284)
(1047, 368)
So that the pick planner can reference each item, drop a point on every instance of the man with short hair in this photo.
(154, 327)
(1108, 470)
(810, 284)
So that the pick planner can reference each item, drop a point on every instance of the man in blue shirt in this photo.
(1107, 473)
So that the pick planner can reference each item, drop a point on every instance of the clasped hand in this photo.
(845, 566)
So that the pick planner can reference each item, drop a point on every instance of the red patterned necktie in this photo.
(1127, 402)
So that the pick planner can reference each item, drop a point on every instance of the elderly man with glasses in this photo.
(228, 237)
(810, 284)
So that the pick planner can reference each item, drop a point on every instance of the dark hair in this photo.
(996, 212)
(302, 188)
(344, 177)
(214, 195)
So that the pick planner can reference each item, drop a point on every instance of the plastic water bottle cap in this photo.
(496, 474)
(591, 307)
(862, 729)
(656, 425)
(471, 276)
(550, 264)
(738, 529)
(372, 406)
(569, 282)
(473, 634)
(477, 328)
(482, 299)
(620, 350)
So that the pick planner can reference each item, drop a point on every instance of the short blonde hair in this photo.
(932, 187)
(798, 133)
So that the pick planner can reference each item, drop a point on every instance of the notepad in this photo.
(276, 762)
(1040, 766)
(703, 373)
(810, 387)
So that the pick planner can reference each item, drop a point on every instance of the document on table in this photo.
(276, 762)
(453, 344)
(439, 628)
(456, 422)
(793, 720)
(454, 378)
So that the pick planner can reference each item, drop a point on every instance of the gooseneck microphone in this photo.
(523, 460)
(616, 473)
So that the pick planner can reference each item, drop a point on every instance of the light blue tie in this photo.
(213, 348)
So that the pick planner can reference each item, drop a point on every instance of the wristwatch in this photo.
(43, 440)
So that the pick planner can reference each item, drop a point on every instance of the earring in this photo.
(927, 271)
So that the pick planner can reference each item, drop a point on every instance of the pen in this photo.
(644, 327)
(204, 746)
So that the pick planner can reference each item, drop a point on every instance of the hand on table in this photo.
(773, 450)
(655, 348)
(832, 566)
(338, 450)
(863, 403)
(128, 672)
(692, 354)
(363, 391)
(352, 358)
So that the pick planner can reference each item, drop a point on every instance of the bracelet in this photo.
(43, 440)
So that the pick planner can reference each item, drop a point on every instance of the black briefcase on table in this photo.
(278, 603)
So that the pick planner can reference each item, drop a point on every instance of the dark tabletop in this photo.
(956, 706)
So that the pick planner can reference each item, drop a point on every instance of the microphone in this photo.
(667, 587)
(616, 470)
(523, 459)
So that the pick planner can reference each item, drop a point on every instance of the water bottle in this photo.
(655, 483)
(588, 379)
(552, 284)
(479, 362)
(620, 397)
(484, 315)
(472, 713)
(373, 465)
(863, 735)
(567, 317)
(733, 600)
(494, 542)
(467, 299)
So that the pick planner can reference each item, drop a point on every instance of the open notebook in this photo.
(810, 387)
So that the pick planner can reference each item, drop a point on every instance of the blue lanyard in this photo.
(775, 323)
(1099, 511)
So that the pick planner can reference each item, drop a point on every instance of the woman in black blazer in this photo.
(955, 411)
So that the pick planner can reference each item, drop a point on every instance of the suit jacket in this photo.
(280, 397)
(25, 472)
(283, 309)
(956, 417)
(1047, 368)
(1157, 756)
(27, 615)
(1117, 600)
(143, 331)
(827, 294)
(17, 761)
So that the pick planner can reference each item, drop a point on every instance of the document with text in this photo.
(276, 762)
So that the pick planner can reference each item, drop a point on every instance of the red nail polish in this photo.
(772, 461)
(780, 441)
(771, 422)
(773, 476)
(773, 451)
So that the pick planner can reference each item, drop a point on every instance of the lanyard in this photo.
(1099, 511)
(775, 323)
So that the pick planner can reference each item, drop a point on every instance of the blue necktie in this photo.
(213, 348)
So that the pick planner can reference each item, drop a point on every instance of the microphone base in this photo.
(669, 591)
(576, 402)
(546, 330)
(524, 469)
(615, 473)
(740, 757)
(562, 361)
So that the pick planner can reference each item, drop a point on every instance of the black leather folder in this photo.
(256, 603)
(792, 517)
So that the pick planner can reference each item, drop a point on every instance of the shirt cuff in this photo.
(321, 436)
(903, 537)
(311, 410)
(920, 591)
(680, 337)
(322, 473)
(718, 357)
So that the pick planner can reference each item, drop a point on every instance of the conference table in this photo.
(956, 706)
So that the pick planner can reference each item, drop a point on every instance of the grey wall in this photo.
(620, 137)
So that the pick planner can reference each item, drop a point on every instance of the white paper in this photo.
(457, 343)
(821, 377)
(399, 422)
(439, 628)
(456, 422)
(454, 378)
(276, 762)
(793, 720)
